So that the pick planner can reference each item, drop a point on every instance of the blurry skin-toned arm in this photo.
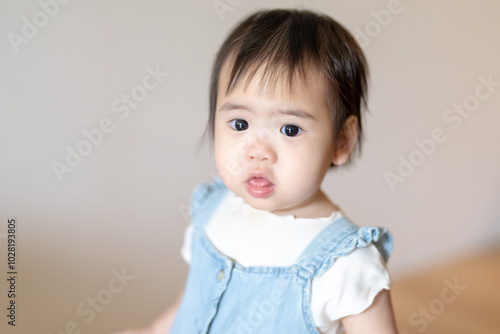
(161, 325)
(377, 319)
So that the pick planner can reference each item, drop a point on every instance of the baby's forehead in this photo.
(271, 80)
(258, 90)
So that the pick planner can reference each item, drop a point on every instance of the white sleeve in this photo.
(348, 288)
(186, 246)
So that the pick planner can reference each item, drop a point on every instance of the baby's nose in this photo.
(262, 150)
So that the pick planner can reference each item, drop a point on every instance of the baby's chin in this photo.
(269, 204)
(273, 203)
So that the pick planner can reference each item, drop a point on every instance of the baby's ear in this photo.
(346, 141)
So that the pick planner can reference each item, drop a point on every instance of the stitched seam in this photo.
(328, 259)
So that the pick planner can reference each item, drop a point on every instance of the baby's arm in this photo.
(377, 319)
(161, 325)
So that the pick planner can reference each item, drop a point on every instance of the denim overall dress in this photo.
(223, 297)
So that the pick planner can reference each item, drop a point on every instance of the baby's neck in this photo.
(317, 207)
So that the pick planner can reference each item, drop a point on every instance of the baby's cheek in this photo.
(304, 170)
(229, 163)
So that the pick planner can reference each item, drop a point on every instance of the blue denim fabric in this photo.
(221, 296)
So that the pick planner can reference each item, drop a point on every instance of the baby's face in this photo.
(273, 150)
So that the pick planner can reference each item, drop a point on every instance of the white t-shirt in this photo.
(261, 238)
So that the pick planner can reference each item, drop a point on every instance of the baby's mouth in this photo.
(259, 187)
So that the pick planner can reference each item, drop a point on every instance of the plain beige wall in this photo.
(122, 208)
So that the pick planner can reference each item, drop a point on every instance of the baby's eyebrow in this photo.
(231, 106)
(297, 112)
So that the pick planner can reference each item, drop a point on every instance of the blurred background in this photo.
(102, 109)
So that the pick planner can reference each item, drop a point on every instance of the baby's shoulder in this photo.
(205, 198)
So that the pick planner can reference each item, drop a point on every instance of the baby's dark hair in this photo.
(290, 42)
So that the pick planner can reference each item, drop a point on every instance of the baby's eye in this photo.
(239, 124)
(290, 130)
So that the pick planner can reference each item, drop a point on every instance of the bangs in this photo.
(285, 47)
(270, 74)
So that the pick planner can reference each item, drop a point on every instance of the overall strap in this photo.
(205, 200)
(340, 238)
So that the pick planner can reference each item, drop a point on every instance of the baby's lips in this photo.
(259, 182)
(259, 187)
